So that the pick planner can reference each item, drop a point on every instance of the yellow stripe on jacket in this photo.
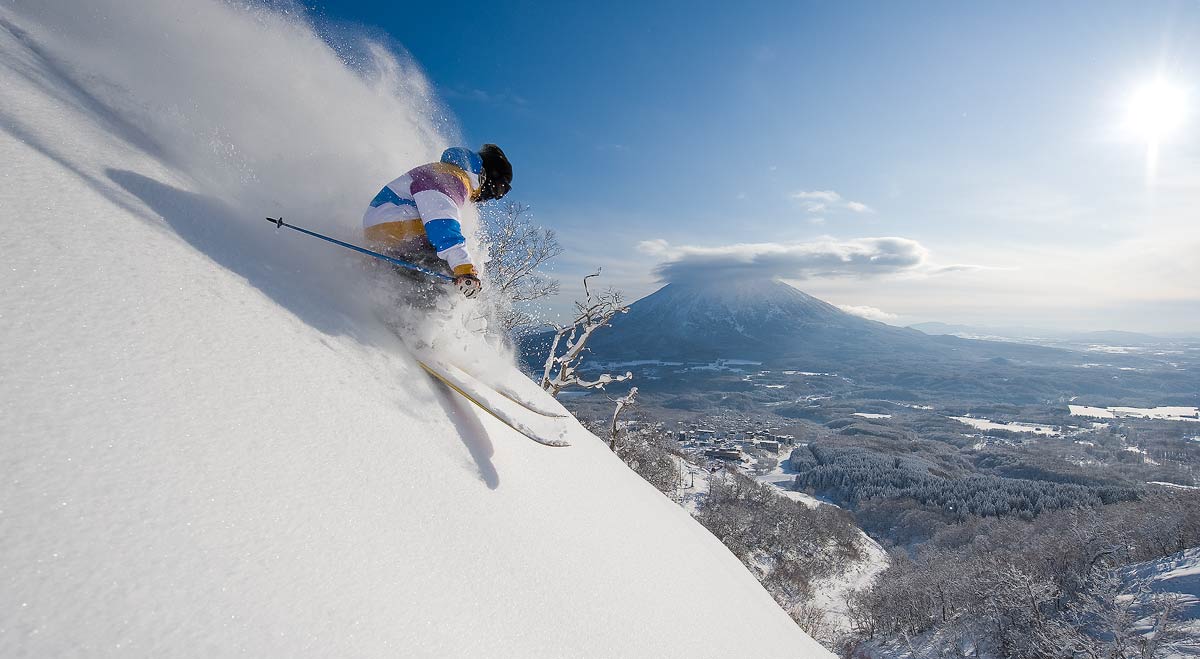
(395, 233)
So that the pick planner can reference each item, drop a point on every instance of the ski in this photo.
(528, 399)
(509, 391)
(512, 394)
(542, 429)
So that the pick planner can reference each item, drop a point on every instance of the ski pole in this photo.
(390, 259)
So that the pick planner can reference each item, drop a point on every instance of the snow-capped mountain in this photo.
(211, 445)
(775, 324)
(744, 318)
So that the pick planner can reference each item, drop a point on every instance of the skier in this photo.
(416, 217)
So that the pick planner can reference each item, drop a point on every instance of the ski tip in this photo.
(465, 387)
(277, 222)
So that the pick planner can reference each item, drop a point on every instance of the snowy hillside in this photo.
(211, 445)
(1177, 577)
(831, 593)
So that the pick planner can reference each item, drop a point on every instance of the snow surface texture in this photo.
(1176, 575)
(210, 444)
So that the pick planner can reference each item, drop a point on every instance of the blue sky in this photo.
(988, 137)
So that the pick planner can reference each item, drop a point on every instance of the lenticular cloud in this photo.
(863, 257)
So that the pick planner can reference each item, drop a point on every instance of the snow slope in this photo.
(210, 445)
(1178, 576)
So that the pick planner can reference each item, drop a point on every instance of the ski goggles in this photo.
(489, 189)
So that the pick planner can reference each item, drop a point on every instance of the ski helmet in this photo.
(496, 178)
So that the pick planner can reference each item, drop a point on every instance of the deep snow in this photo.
(1178, 576)
(210, 444)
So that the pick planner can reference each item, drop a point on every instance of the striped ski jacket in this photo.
(418, 215)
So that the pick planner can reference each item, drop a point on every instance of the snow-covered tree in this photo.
(594, 312)
(517, 251)
(654, 457)
(622, 403)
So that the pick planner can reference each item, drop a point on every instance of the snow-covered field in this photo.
(1173, 485)
(725, 365)
(210, 443)
(1015, 426)
(1094, 412)
(1163, 413)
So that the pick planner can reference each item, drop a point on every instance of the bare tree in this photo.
(517, 251)
(622, 403)
(1124, 619)
(594, 312)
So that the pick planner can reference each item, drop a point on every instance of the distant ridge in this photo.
(783, 328)
(1110, 337)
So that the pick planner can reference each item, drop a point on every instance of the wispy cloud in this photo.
(870, 313)
(964, 267)
(817, 201)
(818, 195)
(827, 257)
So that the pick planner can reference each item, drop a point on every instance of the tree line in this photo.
(1055, 586)
(852, 475)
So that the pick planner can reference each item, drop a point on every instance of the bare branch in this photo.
(517, 251)
(594, 312)
(622, 403)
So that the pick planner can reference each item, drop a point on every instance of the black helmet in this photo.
(496, 178)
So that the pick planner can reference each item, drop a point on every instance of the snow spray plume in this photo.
(252, 105)
(249, 102)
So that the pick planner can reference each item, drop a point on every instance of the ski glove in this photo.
(468, 285)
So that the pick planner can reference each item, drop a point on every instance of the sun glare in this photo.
(1156, 110)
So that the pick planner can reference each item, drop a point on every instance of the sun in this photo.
(1156, 110)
